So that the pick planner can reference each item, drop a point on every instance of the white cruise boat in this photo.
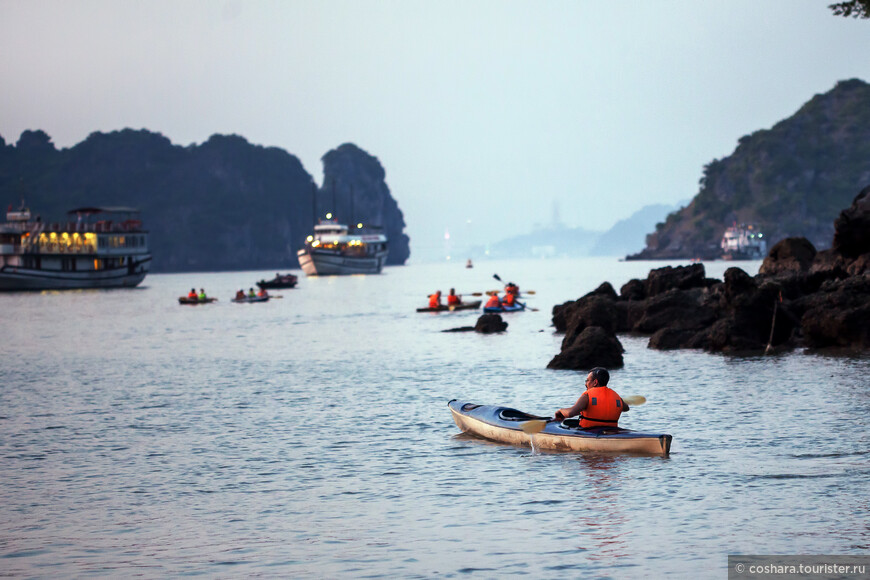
(102, 247)
(332, 250)
(743, 242)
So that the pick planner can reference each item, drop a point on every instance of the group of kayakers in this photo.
(453, 299)
(193, 295)
(240, 295)
(511, 293)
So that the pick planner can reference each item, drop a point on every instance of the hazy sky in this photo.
(484, 113)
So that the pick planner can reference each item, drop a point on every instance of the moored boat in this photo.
(333, 249)
(452, 307)
(279, 282)
(505, 425)
(743, 242)
(105, 247)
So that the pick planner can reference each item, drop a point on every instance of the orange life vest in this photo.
(509, 299)
(452, 299)
(604, 408)
(493, 302)
(434, 300)
(192, 294)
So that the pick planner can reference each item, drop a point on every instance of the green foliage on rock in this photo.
(791, 180)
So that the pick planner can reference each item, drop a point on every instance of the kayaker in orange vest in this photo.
(512, 288)
(435, 300)
(493, 302)
(599, 405)
(262, 293)
(510, 299)
(240, 295)
(453, 299)
(192, 293)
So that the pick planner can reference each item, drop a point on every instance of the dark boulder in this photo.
(634, 289)
(679, 277)
(591, 348)
(605, 290)
(561, 312)
(592, 310)
(838, 315)
(676, 309)
(490, 323)
(852, 227)
(789, 256)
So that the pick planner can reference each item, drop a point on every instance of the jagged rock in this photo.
(634, 289)
(838, 315)
(789, 256)
(679, 277)
(852, 227)
(677, 309)
(560, 315)
(605, 290)
(490, 323)
(591, 310)
(592, 347)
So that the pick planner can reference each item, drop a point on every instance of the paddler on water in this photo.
(192, 294)
(510, 299)
(512, 288)
(435, 300)
(493, 302)
(202, 297)
(599, 406)
(453, 299)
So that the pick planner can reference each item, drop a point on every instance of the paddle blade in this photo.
(534, 426)
(496, 277)
(635, 400)
(529, 292)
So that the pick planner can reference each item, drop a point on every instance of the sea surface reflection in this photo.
(310, 437)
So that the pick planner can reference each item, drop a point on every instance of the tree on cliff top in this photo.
(853, 8)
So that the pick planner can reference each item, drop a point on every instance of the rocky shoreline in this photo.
(800, 298)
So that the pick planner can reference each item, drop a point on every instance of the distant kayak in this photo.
(186, 300)
(252, 299)
(504, 425)
(452, 307)
(515, 308)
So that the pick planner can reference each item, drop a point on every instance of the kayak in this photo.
(186, 300)
(452, 307)
(515, 308)
(504, 425)
(252, 299)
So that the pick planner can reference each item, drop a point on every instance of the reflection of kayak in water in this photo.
(504, 308)
(505, 425)
(252, 299)
(186, 300)
(452, 307)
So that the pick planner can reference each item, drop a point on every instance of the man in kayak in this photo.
(510, 299)
(453, 299)
(599, 405)
(202, 297)
(493, 302)
(435, 300)
(192, 294)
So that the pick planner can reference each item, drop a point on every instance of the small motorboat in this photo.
(251, 299)
(188, 300)
(505, 425)
(279, 282)
(452, 307)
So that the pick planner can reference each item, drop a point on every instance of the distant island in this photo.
(223, 205)
(790, 180)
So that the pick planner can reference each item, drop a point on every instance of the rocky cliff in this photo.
(790, 180)
(223, 205)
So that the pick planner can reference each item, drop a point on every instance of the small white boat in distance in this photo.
(333, 250)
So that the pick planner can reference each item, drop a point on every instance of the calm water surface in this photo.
(309, 437)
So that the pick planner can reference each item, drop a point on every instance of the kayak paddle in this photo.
(634, 400)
